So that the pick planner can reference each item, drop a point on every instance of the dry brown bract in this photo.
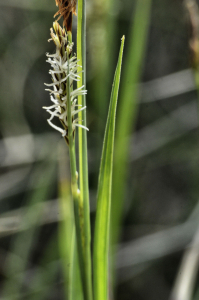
(193, 11)
(66, 9)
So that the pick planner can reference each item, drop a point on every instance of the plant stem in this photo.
(82, 138)
(78, 204)
(81, 50)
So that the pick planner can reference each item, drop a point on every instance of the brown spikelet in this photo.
(193, 12)
(66, 9)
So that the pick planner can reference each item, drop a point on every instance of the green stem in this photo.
(78, 205)
(81, 50)
(82, 138)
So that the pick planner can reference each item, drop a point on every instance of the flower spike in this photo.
(63, 69)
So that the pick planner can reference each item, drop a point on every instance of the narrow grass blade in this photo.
(76, 284)
(67, 241)
(82, 141)
(128, 110)
(101, 238)
(66, 224)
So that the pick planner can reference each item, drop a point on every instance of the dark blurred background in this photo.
(162, 191)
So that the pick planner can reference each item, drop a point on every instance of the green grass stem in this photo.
(67, 242)
(82, 141)
(78, 205)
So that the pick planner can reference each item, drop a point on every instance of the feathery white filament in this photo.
(58, 96)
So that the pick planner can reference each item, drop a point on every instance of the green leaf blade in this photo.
(102, 226)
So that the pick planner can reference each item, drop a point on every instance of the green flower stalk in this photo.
(65, 71)
(64, 68)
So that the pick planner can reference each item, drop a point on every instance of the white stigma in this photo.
(58, 95)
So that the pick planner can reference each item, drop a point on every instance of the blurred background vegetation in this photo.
(160, 202)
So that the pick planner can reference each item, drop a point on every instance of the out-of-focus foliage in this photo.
(160, 205)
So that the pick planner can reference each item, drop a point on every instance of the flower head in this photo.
(64, 69)
(66, 9)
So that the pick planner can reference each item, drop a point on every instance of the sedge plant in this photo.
(68, 97)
